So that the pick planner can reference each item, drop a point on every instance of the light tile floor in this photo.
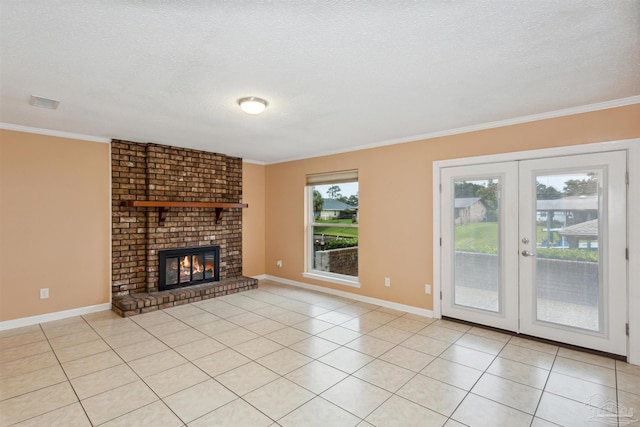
(284, 356)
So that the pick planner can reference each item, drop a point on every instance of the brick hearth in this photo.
(163, 173)
(144, 302)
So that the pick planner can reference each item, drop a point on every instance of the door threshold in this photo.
(538, 339)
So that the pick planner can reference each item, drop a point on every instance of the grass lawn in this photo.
(486, 233)
(478, 237)
(336, 231)
(483, 237)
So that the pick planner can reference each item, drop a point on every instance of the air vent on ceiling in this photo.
(38, 101)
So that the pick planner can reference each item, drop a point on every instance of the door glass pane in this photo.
(567, 279)
(476, 236)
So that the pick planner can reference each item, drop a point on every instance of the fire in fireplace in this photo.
(188, 266)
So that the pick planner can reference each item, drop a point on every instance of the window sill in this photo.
(333, 278)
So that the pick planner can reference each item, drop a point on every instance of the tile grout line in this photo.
(340, 345)
(136, 374)
(544, 387)
(468, 392)
(201, 370)
(68, 380)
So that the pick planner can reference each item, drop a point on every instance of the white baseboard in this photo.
(42, 318)
(370, 300)
(58, 315)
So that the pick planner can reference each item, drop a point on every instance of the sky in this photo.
(346, 189)
(556, 181)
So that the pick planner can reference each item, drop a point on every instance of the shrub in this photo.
(568, 254)
(479, 248)
(492, 216)
(582, 255)
(340, 243)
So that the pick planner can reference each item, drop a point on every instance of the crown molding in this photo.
(254, 162)
(50, 132)
(622, 102)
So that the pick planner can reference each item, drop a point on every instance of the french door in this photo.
(538, 247)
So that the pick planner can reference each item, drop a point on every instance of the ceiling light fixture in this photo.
(252, 104)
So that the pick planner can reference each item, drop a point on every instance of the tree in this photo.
(466, 189)
(489, 194)
(547, 193)
(351, 200)
(581, 187)
(318, 202)
(334, 191)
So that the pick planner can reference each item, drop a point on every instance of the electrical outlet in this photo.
(427, 289)
(387, 282)
(44, 293)
(279, 263)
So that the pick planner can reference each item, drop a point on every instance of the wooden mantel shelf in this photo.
(163, 206)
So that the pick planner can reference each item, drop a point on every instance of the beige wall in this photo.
(54, 224)
(253, 219)
(54, 200)
(396, 198)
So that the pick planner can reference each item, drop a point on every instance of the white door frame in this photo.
(632, 146)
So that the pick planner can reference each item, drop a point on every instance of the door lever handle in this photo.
(527, 253)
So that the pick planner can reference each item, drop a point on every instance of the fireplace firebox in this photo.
(188, 266)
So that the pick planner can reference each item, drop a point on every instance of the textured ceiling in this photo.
(338, 75)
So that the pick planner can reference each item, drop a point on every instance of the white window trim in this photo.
(339, 279)
(633, 224)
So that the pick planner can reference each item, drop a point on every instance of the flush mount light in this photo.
(39, 101)
(252, 104)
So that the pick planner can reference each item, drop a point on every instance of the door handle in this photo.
(527, 253)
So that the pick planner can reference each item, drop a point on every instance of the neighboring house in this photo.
(568, 210)
(469, 210)
(584, 232)
(331, 209)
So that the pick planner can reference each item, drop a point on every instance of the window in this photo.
(332, 227)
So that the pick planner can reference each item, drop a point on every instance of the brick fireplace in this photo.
(147, 173)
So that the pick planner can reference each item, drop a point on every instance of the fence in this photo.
(340, 261)
(559, 280)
